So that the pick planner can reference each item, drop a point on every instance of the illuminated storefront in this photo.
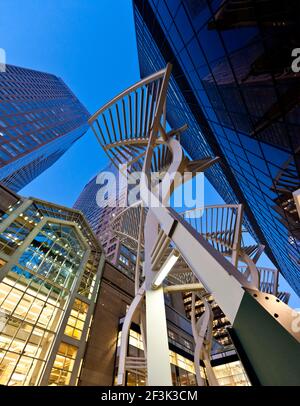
(50, 270)
(182, 367)
(231, 374)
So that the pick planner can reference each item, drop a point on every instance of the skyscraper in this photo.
(40, 118)
(100, 215)
(233, 85)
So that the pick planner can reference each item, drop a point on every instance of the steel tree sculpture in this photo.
(199, 252)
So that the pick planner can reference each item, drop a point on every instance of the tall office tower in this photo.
(100, 214)
(40, 118)
(232, 83)
(50, 271)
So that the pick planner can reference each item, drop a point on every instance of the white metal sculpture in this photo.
(180, 252)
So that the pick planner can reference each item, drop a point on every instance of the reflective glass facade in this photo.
(233, 85)
(40, 118)
(50, 271)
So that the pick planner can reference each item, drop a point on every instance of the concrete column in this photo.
(158, 361)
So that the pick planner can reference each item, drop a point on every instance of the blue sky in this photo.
(91, 45)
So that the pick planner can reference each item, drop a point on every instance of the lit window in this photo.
(63, 365)
(76, 320)
(231, 374)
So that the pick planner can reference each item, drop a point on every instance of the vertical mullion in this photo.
(124, 117)
(112, 125)
(119, 122)
(107, 129)
(135, 114)
(141, 113)
(130, 115)
(146, 111)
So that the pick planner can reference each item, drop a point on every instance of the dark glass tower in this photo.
(232, 79)
(40, 118)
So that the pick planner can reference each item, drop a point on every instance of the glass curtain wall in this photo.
(39, 269)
